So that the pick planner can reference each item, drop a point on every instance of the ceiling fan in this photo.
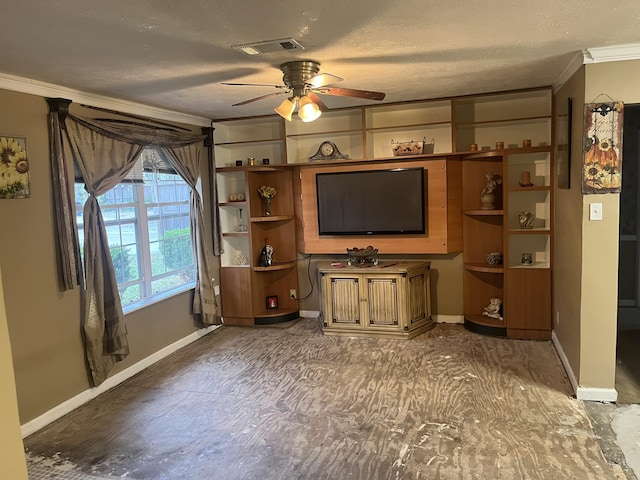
(303, 81)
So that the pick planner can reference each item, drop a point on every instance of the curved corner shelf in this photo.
(275, 267)
(268, 317)
(484, 267)
(483, 325)
(271, 218)
(241, 204)
(235, 234)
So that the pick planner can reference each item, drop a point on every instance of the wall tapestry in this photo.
(602, 142)
(14, 168)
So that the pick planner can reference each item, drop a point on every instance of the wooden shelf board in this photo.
(352, 131)
(276, 312)
(235, 234)
(414, 125)
(245, 142)
(275, 267)
(237, 204)
(484, 267)
(541, 265)
(529, 231)
(502, 121)
(479, 213)
(484, 320)
(489, 152)
(536, 188)
(271, 218)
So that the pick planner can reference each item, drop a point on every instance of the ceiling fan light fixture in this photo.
(307, 110)
(286, 108)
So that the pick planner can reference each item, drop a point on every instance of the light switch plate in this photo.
(595, 211)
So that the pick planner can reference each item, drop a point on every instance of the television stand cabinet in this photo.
(391, 299)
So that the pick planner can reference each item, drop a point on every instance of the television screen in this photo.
(373, 202)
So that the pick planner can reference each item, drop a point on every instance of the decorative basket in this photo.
(411, 148)
(361, 256)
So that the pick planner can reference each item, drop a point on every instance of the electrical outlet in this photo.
(292, 294)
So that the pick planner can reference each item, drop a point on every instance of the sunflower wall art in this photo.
(14, 168)
(602, 142)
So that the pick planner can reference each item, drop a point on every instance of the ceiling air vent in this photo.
(268, 46)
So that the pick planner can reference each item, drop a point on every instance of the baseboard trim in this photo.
(565, 361)
(58, 411)
(309, 313)
(589, 394)
(449, 319)
(592, 394)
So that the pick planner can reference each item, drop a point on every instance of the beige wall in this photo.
(618, 80)
(586, 253)
(567, 269)
(44, 322)
(11, 447)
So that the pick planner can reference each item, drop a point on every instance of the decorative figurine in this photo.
(266, 256)
(493, 309)
(487, 197)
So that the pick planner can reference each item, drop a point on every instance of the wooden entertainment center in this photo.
(505, 133)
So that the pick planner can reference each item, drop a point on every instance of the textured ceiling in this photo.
(174, 54)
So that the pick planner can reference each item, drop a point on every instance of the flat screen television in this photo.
(371, 202)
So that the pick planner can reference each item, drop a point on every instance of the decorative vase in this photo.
(487, 200)
(267, 206)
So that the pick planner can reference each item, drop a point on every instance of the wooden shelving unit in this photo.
(246, 285)
(456, 176)
(525, 290)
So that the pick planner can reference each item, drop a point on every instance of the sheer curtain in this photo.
(103, 162)
(105, 152)
(186, 161)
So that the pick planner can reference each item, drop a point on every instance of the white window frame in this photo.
(143, 246)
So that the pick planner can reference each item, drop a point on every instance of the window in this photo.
(149, 232)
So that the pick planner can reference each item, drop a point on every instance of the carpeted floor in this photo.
(273, 403)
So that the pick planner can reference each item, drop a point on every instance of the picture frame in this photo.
(272, 302)
(14, 167)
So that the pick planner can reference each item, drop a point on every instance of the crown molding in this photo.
(572, 67)
(613, 53)
(34, 87)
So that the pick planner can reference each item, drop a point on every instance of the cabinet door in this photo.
(344, 300)
(418, 299)
(382, 304)
(528, 305)
(235, 286)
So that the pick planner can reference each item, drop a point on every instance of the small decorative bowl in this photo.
(362, 255)
(493, 258)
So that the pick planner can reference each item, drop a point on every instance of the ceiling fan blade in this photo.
(253, 85)
(316, 99)
(349, 92)
(322, 79)
(258, 98)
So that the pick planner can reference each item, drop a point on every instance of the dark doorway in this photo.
(628, 344)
